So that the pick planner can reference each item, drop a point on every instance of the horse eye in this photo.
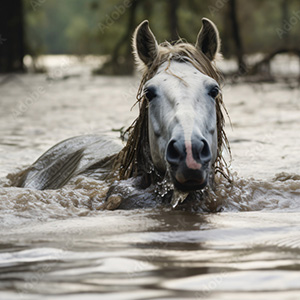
(150, 93)
(214, 92)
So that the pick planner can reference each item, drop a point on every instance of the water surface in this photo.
(58, 245)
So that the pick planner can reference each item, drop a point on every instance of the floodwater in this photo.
(58, 245)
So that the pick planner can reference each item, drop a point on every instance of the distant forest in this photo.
(105, 27)
(90, 26)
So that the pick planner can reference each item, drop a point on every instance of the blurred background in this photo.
(253, 32)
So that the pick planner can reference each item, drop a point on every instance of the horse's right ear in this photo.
(145, 47)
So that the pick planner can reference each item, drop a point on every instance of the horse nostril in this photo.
(173, 153)
(205, 154)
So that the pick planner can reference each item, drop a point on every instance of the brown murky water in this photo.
(57, 245)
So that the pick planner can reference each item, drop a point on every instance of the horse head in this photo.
(176, 142)
(181, 88)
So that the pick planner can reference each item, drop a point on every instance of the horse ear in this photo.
(145, 46)
(208, 40)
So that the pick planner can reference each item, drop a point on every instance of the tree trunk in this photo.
(284, 19)
(147, 6)
(11, 36)
(173, 19)
(118, 64)
(242, 69)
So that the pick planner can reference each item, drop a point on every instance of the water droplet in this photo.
(178, 197)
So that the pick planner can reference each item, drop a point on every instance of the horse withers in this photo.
(174, 145)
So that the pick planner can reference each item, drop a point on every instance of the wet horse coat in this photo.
(175, 143)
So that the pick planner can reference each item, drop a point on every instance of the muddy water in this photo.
(58, 245)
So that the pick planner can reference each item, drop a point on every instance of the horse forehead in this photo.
(180, 74)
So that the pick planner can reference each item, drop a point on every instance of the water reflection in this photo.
(169, 253)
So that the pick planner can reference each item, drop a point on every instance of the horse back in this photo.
(67, 159)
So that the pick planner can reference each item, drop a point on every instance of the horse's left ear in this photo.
(208, 40)
(145, 47)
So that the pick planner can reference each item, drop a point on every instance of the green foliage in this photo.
(96, 26)
(57, 27)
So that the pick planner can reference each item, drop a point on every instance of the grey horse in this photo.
(175, 144)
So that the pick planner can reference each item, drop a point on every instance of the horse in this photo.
(175, 144)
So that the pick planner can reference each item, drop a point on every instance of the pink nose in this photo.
(193, 154)
(191, 163)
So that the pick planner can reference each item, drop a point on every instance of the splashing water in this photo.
(281, 193)
(166, 186)
(178, 197)
(85, 196)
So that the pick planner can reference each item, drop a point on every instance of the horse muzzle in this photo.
(189, 163)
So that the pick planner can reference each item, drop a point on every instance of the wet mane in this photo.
(135, 159)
